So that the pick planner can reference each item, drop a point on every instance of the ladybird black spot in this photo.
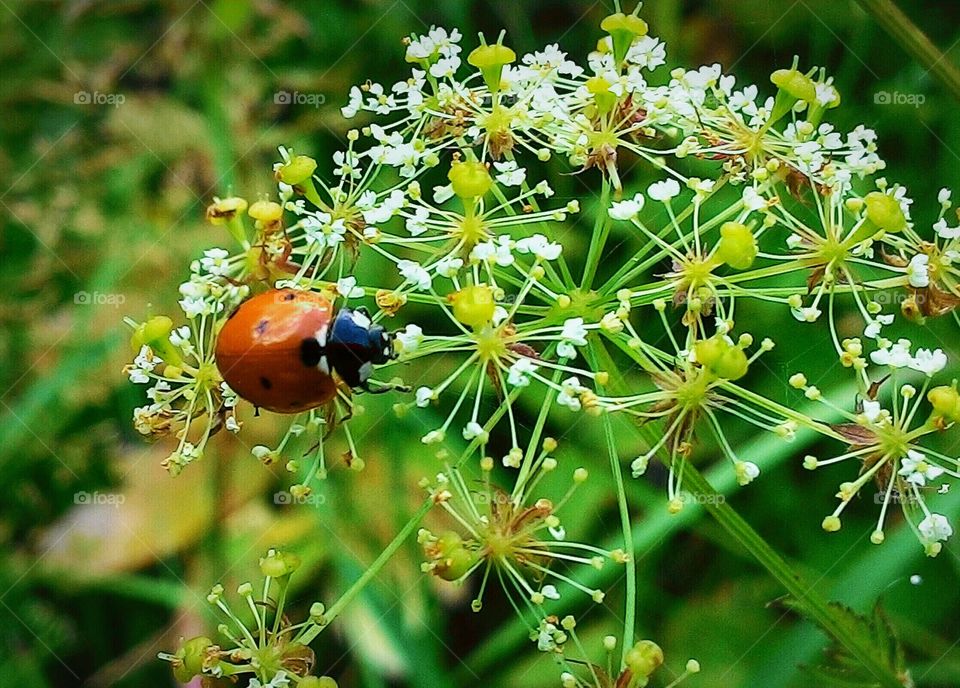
(310, 352)
(265, 383)
(289, 296)
(261, 327)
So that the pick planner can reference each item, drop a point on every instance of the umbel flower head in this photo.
(511, 536)
(270, 651)
(638, 667)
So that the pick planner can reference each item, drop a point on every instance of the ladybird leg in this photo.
(384, 387)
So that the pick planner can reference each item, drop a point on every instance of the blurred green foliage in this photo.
(120, 121)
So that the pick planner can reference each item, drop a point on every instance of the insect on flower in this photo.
(281, 349)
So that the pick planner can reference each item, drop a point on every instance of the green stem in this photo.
(369, 573)
(601, 229)
(915, 42)
(596, 352)
(808, 599)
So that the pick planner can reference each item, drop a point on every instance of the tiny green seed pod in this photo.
(885, 212)
(737, 247)
(644, 658)
(490, 60)
(623, 29)
(470, 179)
(946, 402)
(155, 333)
(474, 305)
(191, 655)
(279, 564)
(297, 171)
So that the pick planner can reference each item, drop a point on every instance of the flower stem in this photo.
(807, 598)
(596, 352)
(914, 41)
(369, 573)
(601, 229)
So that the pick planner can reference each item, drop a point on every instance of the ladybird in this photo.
(284, 350)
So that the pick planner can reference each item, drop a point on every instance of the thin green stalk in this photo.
(808, 599)
(915, 42)
(370, 572)
(601, 229)
(595, 353)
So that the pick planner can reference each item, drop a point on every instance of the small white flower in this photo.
(424, 396)
(518, 375)
(474, 430)
(539, 246)
(809, 314)
(569, 395)
(448, 266)
(872, 410)
(628, 209)
(572, 335)
(347, 288)
(935, 527)
(414, 273)
(510, 173)
(916, 470)
(550, 592)
(918, 271)
(664, 190)
(893, 355)
(746, 472)
(752, 200)
(410, 338)
(929, 362)
(872, 330)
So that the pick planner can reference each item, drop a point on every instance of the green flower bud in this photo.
(474, 305)
(795, 84)
(720, 357)
(602, 96)
(623, 29)
(317, 682)
(644, 658)
(455, 558)
(155, 333)
(490, 60)
(737, 247)
(885, 212)
(297, 171)
(190, 658)
(470, 179)
(279, 564)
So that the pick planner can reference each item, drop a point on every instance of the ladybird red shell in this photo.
(260, 350)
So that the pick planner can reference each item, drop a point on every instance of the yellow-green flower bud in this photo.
(945, 401)
(266, 212)
(723, 359)
(737, 247)
(279, 564)
(599, 88)
(644, 658)
(490, 60)
(190, 658)
(885, 212)
(222, 210)
(796, 84)
(317, 682)
(298, 170)
(470, 179)
(623, 29)
(474, 305)
(155, 333)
